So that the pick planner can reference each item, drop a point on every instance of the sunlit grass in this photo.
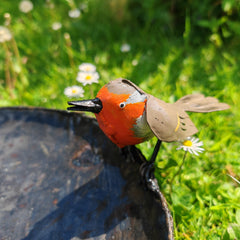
(203, 199)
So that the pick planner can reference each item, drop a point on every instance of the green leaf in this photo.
(238, 216)
(218, 145)
(236, 230)
(234, 26)
(232, 232)
(171, 163)
(227, 5)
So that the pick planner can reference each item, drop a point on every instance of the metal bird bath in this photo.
(61, 178)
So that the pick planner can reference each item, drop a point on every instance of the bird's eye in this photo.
(122, 105)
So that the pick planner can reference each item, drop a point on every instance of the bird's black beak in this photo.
(92, 105)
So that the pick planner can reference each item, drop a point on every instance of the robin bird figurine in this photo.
(129, 116)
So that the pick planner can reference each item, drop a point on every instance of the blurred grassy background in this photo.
(176, 48)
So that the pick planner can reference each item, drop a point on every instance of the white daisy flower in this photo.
(56, 26)
(74, 91)
(5, 34)
(191, 145)
(25, 6)
(74, 13)
(135, 62)
(87, 67)
(7, 17)
(87, 77)
(125, 47)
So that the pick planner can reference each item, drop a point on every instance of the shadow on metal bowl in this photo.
(61, 178)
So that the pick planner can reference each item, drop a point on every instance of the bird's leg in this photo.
(147, 168)
(155, 152)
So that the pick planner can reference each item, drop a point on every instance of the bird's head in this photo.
(117, 97)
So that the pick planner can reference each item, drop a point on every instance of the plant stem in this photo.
(179, 170)
(9, 83)
(69, 48)
(91, 91)
(23, 79)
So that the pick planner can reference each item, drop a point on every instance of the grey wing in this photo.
(200, 103)
(167, 121)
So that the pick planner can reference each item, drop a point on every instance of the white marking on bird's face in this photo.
(136, 97)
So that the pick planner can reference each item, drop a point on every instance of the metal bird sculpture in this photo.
(128, 115)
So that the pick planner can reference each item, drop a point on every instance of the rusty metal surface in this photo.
(61, 178)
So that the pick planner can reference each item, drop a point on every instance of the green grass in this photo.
(204, 201)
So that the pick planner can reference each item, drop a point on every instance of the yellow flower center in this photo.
(74, 91)
(88, 77)
(187, 143)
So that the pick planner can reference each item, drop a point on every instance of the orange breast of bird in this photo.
(116, 122)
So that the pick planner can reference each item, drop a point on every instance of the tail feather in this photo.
(200, 103)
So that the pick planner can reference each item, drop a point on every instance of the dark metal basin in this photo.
(61, 178)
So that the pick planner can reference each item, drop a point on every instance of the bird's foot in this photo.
(147, 176)
(133, 154)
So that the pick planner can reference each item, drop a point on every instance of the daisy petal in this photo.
(87, 67)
